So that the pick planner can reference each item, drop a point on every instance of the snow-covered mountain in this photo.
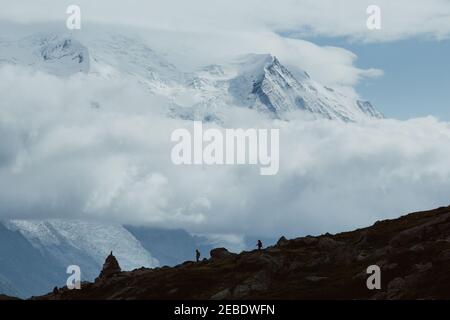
(86, 244)
(50, 53)
(23, 269)
(263, 83)
(255, 81)
(35, 254)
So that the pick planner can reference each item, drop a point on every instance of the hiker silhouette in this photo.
(197, 255)
(259, 245)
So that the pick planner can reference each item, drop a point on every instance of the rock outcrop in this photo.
(110, 268)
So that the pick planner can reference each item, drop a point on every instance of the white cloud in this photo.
(329, 65)
(60, 157)
(400, 18)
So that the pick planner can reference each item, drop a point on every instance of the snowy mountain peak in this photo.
(61, 48)
(61, 55)
(369, 109)
(133, 57)
(256, 81)
(265, 84)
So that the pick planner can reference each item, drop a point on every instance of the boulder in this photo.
(220, 253)
(260, 282)
(224, 294)
(315, 278)
(444, 255)
(423, 267)
(395, 288)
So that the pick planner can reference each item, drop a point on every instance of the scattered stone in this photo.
(396, 288)
(444, 255)
(221, 295)
(362, 256)
(390, 266)
(396, 284)
(259, 282)
(422, 267)
(172, 291)
(417, 248)
(296, 265)
(315, 278)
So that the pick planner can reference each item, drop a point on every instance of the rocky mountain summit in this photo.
(413, 253)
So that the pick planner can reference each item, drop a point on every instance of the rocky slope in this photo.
(413, 253)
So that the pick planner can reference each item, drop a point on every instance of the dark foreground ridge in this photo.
(413, 253)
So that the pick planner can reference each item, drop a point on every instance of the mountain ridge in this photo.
(413, 253)
(255, 81)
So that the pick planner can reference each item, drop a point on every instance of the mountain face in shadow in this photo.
(24, 270)
(170, 247)
(412, 252)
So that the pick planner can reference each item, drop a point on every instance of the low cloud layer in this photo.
(84, 148)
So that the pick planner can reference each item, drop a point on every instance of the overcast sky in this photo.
(401, 18)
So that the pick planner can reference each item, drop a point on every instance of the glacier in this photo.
(255, 81)
(83, 243)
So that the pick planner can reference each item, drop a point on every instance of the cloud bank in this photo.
(63, 156)
(84, 148)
